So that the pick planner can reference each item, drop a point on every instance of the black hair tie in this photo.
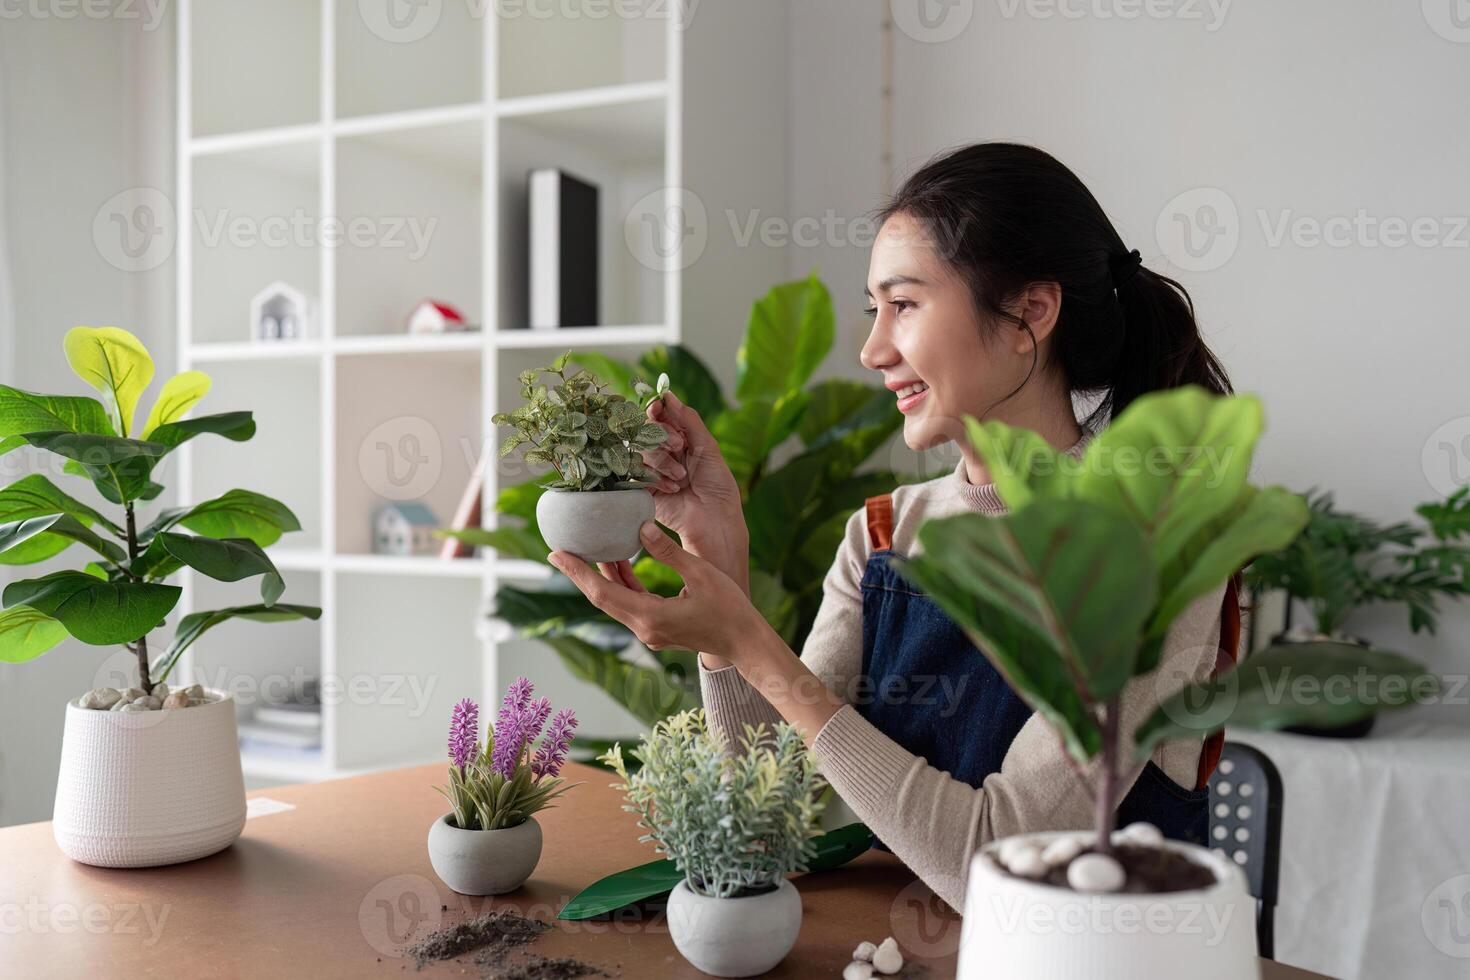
(1125, 267)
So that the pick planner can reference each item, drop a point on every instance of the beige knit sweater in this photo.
(933, 822)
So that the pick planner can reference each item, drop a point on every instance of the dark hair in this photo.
(1006, 216)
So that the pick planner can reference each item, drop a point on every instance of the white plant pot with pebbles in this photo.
(148, 780)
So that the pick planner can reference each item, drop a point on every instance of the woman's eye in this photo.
(902, 304)
(871, 313)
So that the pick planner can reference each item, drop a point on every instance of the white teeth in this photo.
(912, 389)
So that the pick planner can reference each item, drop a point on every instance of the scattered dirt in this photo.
(535, 967)
(492, 938)
(1150, 871)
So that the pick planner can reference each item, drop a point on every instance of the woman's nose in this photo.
(878, 351)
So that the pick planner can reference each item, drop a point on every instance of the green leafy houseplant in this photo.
(734, 823)
(121, 595)
(1343, 561)
(796, 448)
(1072, 593)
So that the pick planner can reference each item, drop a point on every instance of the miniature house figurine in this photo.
(404, 529)
(281, 312)
(434, 317)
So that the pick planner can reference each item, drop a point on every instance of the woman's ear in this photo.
(1040, 304)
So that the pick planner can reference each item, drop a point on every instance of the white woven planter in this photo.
(139, 789)
(1018, 928)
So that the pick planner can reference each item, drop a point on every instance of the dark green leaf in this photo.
(236, 514)
(235, 426)
(96, 612)
(227, 560)
(35, 496)
(195, 625)
(94, 451)
(22, 412)
(689, 377)
(508, 542)
(791, 330)
(649, 695)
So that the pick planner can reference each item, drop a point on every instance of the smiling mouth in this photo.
(911, 396)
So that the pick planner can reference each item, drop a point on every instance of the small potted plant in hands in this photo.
(489, 842)
(734, 824)
(149, 775)
(592, 438)
(1071, 595)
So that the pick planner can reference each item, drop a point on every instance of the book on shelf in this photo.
(563, 250)
(466, 515)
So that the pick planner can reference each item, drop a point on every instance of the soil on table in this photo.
(1151, 871)
(492, 938)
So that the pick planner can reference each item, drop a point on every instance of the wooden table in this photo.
(339, 885)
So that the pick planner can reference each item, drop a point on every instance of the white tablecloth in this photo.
(1375, 862)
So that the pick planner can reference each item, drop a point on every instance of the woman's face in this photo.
(927, 339)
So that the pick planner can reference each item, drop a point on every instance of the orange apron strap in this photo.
(880, 521)
(1225, 660)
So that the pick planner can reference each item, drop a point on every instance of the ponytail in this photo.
(1006, 216)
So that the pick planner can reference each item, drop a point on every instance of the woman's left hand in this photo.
(711, 614)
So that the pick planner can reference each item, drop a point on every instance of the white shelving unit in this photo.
(292, 110)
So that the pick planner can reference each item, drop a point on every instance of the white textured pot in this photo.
(484, 862)
(140, 789)
(734, 937)
(597, 525)
(1018, 928)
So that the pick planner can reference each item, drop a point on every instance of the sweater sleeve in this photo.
(833, 650)
(934, 823)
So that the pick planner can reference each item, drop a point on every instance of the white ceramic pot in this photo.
(1018, 928)
(734, 937)
(600, 525)
(140, 789)
(484, 862)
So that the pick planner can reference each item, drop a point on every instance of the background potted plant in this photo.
(1071, 595)
(490, 842)
(1343, 561)
(734, 823)
(149, 775)
(592, 438)
(795, 447)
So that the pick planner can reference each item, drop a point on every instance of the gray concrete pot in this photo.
(734, 937)
(484, 862)
(594, 525)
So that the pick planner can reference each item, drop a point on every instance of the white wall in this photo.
(1312, 108)
(82, 122)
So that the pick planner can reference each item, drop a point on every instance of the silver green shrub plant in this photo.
(589, 435)
(734, 823)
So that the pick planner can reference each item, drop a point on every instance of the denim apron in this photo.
(935, 694)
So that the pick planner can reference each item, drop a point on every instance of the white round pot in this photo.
(140, 789)
(484, 862)
(734, 937)
(596, 525)
(1018, 928)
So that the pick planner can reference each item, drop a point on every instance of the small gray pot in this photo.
(734, 937)
(594, 525)
(484, 862)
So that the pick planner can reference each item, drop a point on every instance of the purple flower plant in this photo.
(553, 750)
(464, 732)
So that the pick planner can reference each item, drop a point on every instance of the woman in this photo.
(999, 289)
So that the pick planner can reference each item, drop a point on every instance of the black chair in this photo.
(1245, 826)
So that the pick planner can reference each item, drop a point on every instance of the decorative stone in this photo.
(1062, 850)
(1139, 834)
(121, 704)
(1096, 874)
(195, 692)
(149, 702)
(178, 699)
(1006, 851)
(135, 706)
(864, 952)
(100, 699)
(1028, 863)
(858, 970)
(887, 958)
(160, 691)
(131, 694)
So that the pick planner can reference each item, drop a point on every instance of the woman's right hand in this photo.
(697, 495)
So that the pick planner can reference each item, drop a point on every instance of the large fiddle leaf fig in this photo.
(93, 611)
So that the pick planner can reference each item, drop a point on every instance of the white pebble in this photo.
(1062, 850)
(858, 970)
(100, 699)
(160, 691)
(178, 699)
(1095, 874)
(195, 692)
(887, 958)
(134, 706)
(1028, 864)
(864, 952)
(1010, 847)
(131, 694)
(1139, 834)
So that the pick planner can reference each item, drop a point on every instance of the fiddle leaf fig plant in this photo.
(590, 435)
(1072, 593)
(121, 595)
